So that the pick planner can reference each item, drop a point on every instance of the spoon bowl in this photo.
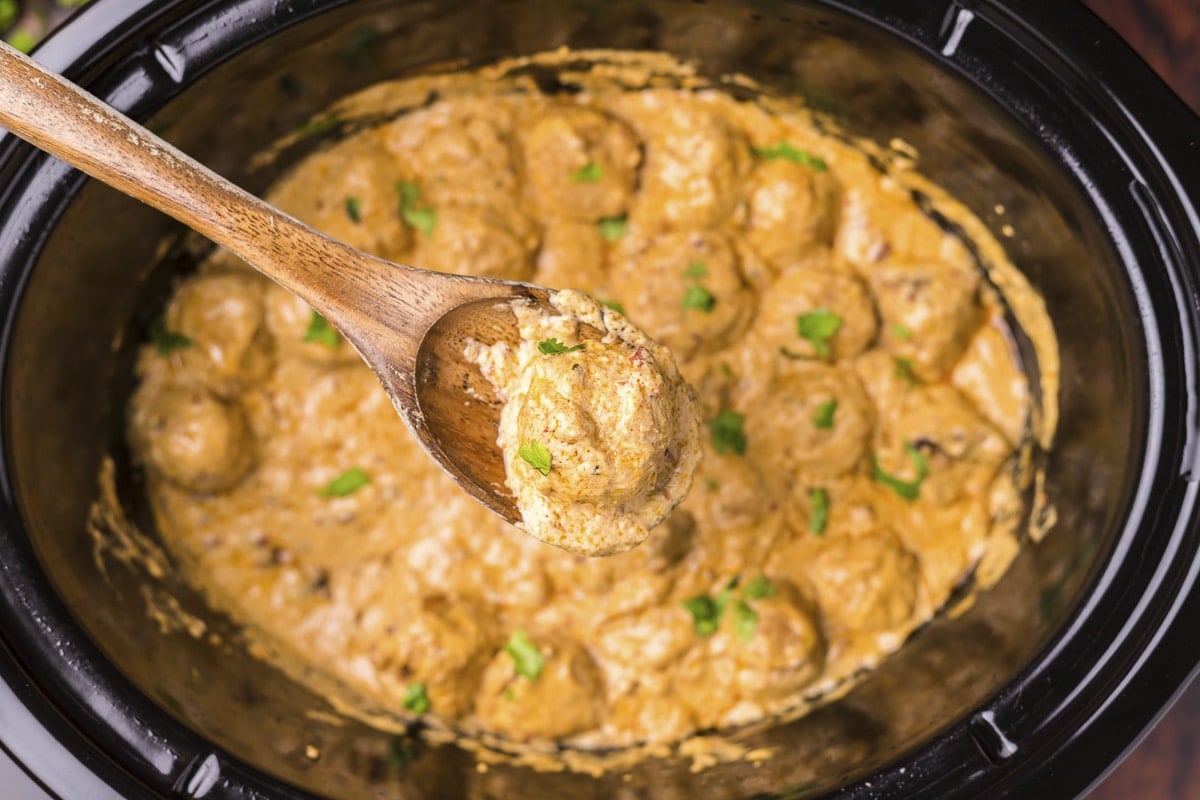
(410, 325)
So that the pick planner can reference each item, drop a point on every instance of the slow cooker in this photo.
(1034, 114)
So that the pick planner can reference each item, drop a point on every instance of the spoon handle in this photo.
(57, 116)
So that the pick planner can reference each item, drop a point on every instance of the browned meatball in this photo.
(785, 650)
(864, 582)
(814, 421)
(222, 315)
(195, 440)
(473, 241)
(565, 698)
(580, 164)
(929, 312)
(695, 164)
(296, 331)
(572, 257)
(647, 639)
(687, 291)
(791, 210)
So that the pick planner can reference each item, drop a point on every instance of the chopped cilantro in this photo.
(823, 419)
(319, 330)
(553, 347)
(787, 152)
(527, 659)
(818, 327)
(415, 215)
(345, 484)
(536, 456)
(745, 620)
(819, 517)
(590, 172)
(165, 341)
(909, 490)
(711, 484)
(726, 370)
(319, 124)
(698, 298)
(696, 270)
(354, 209)
(759, 588)
(793, 355)
(416, 699)
(706, 614)
(901, 331)
(612, 229)
(726, 432)
(904, 369)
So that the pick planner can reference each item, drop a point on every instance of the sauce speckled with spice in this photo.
(862, 409)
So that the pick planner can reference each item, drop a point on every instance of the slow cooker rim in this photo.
(84, 49)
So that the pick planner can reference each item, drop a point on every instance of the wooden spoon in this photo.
(410, 325)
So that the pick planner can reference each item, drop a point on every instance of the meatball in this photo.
(565, 696)
(473, 241)
(298, 330)
(687, 291)
(865, 582)
(929, 312)
(648, 639)
(349, 193)
(781, 650)
(194, 439)
(580, 164)
(810, 314)
(695, 164)
(221, 314)
(791, 210)
(571, 257)
(814, 421)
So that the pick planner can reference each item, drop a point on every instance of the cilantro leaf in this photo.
(909, 490)
(345, 484)
(818, 327)
(745, 620)
(904, 369)
(823, 419)
(590, 172)
(165, 341)
(901, 331)
(706, 614)
(527, 659)
(696, 270)
(726, 432)
(416, 699)
(787, 152)
(319, 330)
(698, 298)
(414, 215)
(612, 229)
(820, 511)
(615, 306)
(536, 456)
(759, 588)
(354, 209)
(553, 347)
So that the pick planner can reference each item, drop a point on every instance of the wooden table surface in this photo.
(1166, 765)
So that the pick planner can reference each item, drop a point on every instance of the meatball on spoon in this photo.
(411, 326)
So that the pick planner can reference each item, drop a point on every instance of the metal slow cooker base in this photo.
(1038, 102)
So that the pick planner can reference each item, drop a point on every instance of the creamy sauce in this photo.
(865, 415)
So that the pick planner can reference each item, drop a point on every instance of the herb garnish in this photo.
(536, 456)
(354, 209)
(706, 614)
(818, 327)
(614, 305)
(759, 588)
(319, 330)
(707, 610)
(553, 347)
(612, 228)
(698, 298)
(726, 432)
(745, 620)
(527, 659)
(415, 215)
(904, 369)
(590, 172)
(820, 511)
(901, 331)
(416, 699)
(345, 484)
(909, 490)
(165, 341)
(787, 152)
(823, 419)
(696, 270)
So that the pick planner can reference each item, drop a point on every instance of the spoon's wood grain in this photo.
(385, 310)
